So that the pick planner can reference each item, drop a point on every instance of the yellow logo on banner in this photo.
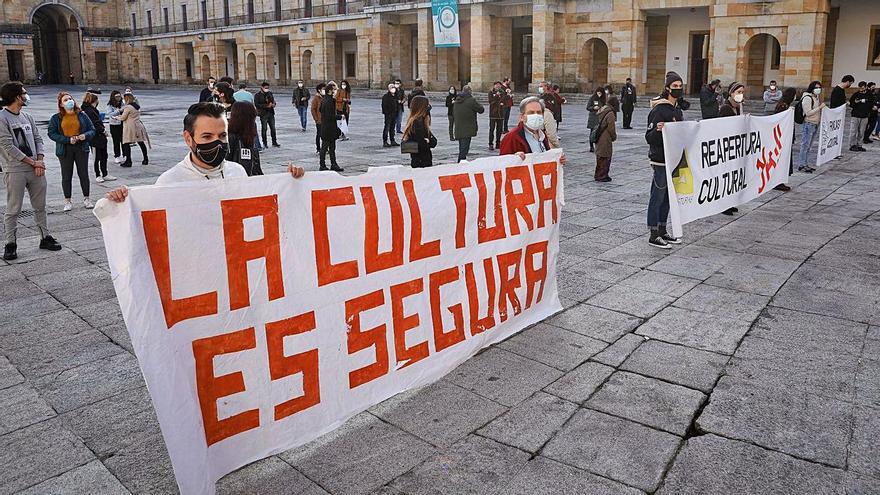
(682, 178)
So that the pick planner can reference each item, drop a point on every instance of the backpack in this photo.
(799, 116)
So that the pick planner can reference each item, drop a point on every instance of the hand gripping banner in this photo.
(266, 311)
(715, 164)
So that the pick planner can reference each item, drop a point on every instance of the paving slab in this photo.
(593, 321)
(22, 406)
(143, 466)
(660, 283)
(865, 449)
(542, 476)
(615, 354)
(629, 300)
(696, 329)
(91, 478)
(270, 476)
(9, 375)
(553, 346)
(580, 383)
(529, 424)
(77, 350)
(91, 382)
(685, 366)
(723, 302)
(503, 377)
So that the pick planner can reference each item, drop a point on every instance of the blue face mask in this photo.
(69, 104)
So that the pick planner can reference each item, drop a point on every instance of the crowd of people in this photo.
(221, 132)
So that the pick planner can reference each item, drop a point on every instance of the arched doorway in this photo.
(135, 70)
(307, 66)
(57, 43)
(763, 63)
(593, 65)
(206, 67)
(251, 67)
(168, 69)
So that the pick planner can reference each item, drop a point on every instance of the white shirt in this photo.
(186, 171)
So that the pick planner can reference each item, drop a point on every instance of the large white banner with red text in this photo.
(266, 311)
(716, 164)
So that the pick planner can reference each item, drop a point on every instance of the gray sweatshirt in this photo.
(19, 138)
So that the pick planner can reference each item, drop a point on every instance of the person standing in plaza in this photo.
(595, 103)
(709, 99)
(72, 130)
(401, 104)
(496, 114)
(545, 92)
(114, 110)
(861, 103)
(557, 107)
(508, 103)
(265, 103)
(418, 90)
(133, 131)
(872, 114)
(21, 160)
(389, 112)
(99, 142)
(301, 103)
(551, 129)
(665, 109)
(243, 94)
(418, 130)
(607, 135)
(628, 99)
(315, 109)
(466, 108)
(784, 104)
(528, 136)
(224, 95)
(343, 104)
(838, 94)
(450, 103)
(732, 106)
(329, 127)
(242, 138)
(812, 105)
(207, 93)
(772, 95)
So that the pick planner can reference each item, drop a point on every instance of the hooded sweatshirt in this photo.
(662, 110)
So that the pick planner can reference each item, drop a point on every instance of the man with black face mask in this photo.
(205, 134)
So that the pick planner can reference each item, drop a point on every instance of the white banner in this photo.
(716, 164)
(266, 311)
(445, 16)
(831, 130)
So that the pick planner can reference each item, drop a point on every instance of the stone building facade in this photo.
(578, 44)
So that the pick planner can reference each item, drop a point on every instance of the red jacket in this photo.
(515, 141)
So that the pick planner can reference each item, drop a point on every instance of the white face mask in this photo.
(772, 88)
(540, 90)
(452, 91)
(738, 97)
(817, 91)
(344, 86)
(535, 121)
(299, 85)
(27, 99)
(393, 90)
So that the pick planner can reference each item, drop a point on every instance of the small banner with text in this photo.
(445, 17)
(831, 129)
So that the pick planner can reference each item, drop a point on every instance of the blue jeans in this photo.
(399, 119)
(809, 134)
(658, 205)
(303, 112)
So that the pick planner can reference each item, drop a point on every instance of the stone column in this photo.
(362, 67)
(543, 39)
(482, 51)
(427, 51)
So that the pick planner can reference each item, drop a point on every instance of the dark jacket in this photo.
(329, 127)
(401, 97)
(419, 134)
(250, 161)
(496, 104)
(417, 91)
(465, 112)
(100, 139)
(557, 111)
(628, 95)
(663, 111)
(508, 95)
(708, 102)
(298, 95)
(861, 103)
(728, 109)
(608, 122)
(62, 141)
(450, 102)
(262, 100)
(206, 95)
(550, 103)
(594, 104)
(515, 141)
(389, 104)
(838, 97)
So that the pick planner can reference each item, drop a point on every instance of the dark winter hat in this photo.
(733, 87)
(671, 77)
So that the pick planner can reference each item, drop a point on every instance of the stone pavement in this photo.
(745, 361)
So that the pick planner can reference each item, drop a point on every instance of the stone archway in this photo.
(251, 67)
(57, 43)
(592, 65)
(206, 67)
(135, 69)
(168, 69)
(763, 62)
(306, 66)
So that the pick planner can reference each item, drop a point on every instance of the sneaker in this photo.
(9, 252)
(49, 243)
(118, 159)
(491, 148)
(337, 168)
(783, 188)
(604, 179)
(276, 145)
(99, 180)
(658, 242)
(809, 170)
(126, 164)
(68, 206)
(670, 240)
(854, 148)
(861, 148)
(386, 145)
(303, 129)
(88, 204)
(323, 167)
(109, 178)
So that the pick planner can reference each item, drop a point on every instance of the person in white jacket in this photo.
(811, 102)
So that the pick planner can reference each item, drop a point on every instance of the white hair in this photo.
(529, 100)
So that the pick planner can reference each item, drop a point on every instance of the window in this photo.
(225, 12)
(150, 22)
(874, 49)
(183, 16)
(277, 10)
(250, 11)
(350, 64)
(204, 14)
(340, 6)
(775, 54)
(134, 23)
(165, 18)
(307, 8)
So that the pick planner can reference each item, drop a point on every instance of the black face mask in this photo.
(213, 153)
(676, 93)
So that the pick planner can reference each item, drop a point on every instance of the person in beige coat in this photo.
(551, 129)
(133, 130)
(607, 121)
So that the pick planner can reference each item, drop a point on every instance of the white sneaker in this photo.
(88, 203)
(119, 159)
(68, 206)
(99, 180)
(109, 178)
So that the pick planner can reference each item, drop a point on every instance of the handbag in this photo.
(409, 147)
(597, 131)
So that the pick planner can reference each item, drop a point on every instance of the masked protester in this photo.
(72, 131)
(838, 93)
(496, 114)
(733, 105)
(595, 103)
(401, 104)
(607, 136)
(99, 142)
(709, 99)
(265, 103)
(242, 138)
(389, 111)
(450, 103)
(418, 130)
(861, 103)
(329, 127)
(628, 98)
(784, 104)
(528, 136)
(664, 109)
(301, 103)
(812, 104)
(21, 159)
(114, 110)
(343, 103)
(772, 95)
(315, 110)
(207, 93)
(508, 103)
(205, 134)
(872, 115)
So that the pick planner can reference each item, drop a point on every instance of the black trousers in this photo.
(116, 134)
(318, 137)
(451, 127)
(388, 130)
(869, 129)
(126, 151)
(506, 119)
(627, 115)
(328, 145)
(268, 120)
(495, 126)
(74, 156)
(101, 160)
